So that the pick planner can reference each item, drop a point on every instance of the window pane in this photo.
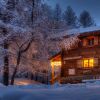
(86, 63)
(91, 62)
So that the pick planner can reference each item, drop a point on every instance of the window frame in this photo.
(88, 61)
(90, 42)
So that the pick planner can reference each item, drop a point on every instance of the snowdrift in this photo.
(86, 91)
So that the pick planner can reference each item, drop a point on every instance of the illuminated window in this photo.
(91, 62)
(88, 63)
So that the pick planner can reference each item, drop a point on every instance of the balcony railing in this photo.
(78, 79)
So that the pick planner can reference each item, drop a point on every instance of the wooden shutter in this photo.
(96, 41)
(79, 63)
(84, 42)
(95, 61)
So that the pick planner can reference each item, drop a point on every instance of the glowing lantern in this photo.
(55, 63)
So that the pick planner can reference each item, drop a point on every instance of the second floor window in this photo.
(90, 42)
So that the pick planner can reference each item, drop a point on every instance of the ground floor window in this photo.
(88, 63)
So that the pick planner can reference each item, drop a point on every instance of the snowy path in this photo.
(89, 91)
(25, 82)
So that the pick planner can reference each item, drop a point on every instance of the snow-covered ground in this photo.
(85, 91)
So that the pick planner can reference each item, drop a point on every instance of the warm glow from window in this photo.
(55, 63)
(91, 62)
(88, 63)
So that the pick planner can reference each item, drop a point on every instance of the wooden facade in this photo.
(83, 60)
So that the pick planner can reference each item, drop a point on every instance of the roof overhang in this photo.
(56, 57)
(92, 33)
(73, 58)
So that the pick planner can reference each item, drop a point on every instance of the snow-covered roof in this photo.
(76, 31)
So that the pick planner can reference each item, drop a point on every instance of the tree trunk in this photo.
(16, 68)
(6, 67)
(13, 76)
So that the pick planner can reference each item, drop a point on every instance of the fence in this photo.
(41, 77)
(78, 79)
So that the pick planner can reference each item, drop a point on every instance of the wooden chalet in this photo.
(79, 63)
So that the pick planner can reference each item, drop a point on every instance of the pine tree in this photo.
(85, 19)
(70, 18)
(11, 4)
(57, 16)
(36, 4)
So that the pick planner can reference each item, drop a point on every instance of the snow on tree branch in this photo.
(70, 42)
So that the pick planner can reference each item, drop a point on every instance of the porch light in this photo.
(55, 63)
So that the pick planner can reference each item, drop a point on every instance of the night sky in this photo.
(93, 6)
